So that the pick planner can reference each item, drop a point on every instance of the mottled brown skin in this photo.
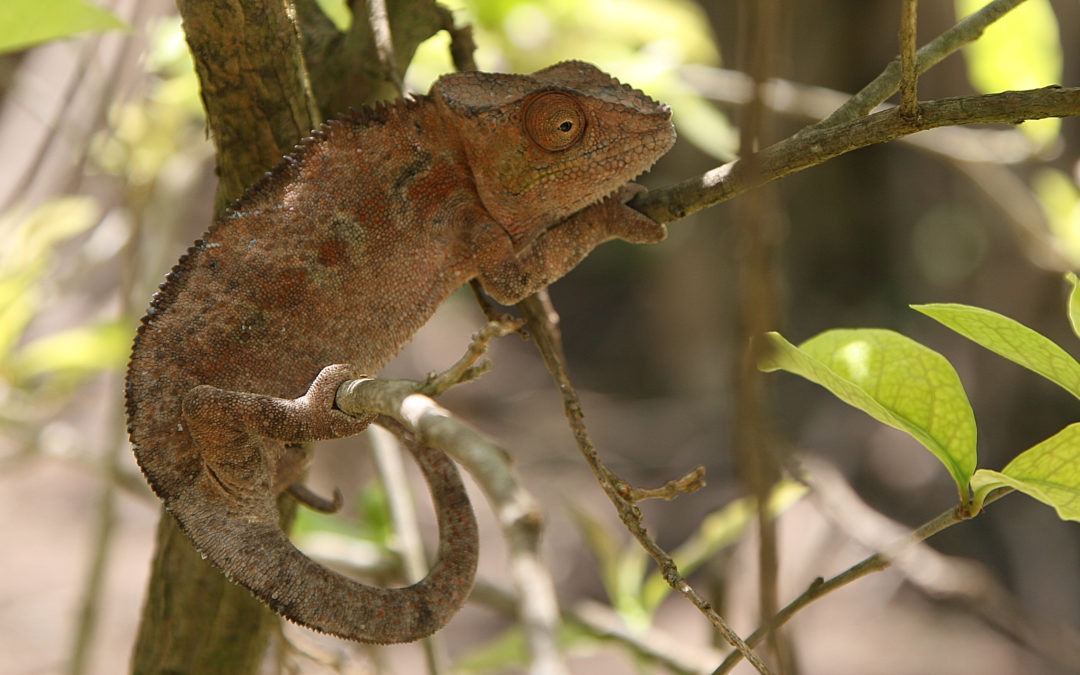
(326, 267)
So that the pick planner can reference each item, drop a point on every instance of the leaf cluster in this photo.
(913, 388)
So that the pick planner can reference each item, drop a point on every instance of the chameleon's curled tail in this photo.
(259, 556)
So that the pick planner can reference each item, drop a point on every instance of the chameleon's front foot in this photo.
(316, 407)
(627, 223)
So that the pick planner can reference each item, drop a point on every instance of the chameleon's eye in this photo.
(553, 120)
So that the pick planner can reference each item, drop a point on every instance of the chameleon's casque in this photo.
(326, 267)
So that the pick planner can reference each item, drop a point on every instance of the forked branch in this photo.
(814, 145)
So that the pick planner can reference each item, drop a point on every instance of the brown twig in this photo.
(757, 310)
(817, 145)
(401, 405)
(538, 315)
(684, 485)
(885, 85)
(469, 367)
(909, 75)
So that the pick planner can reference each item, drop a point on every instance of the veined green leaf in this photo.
(1048, 472)
(24, 23)
(1010, 339)
(895, 380)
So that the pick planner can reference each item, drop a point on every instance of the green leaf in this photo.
(1074, 303)
(896, 381)
(1048, 472)
(621, 569)
(1010, 339)
(24, 23)
(1059, 196)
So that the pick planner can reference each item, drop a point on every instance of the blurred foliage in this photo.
(146, 134)
(25, 23)
(642, 42)
(51, 249)
(27, 286)
(1059, 197)
(1022, 51)
(633, 591)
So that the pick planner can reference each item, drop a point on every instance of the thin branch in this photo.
(932, 572)
(401, 405)
(410, 545)
(384, 42)
(885, 85)
(909, 76)
(817, 145)
(757, 301)
(959, 144)
(982, 154)
(542, 322)
(469, 367)
(691, 482)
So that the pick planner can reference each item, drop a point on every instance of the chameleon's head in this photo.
(546, 145)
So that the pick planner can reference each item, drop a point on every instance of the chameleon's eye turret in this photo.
(553, 120)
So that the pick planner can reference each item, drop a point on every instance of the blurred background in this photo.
(107, 176)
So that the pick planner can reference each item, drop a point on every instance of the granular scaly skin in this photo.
(323, 269)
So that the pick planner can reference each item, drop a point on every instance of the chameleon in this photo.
(320, 273)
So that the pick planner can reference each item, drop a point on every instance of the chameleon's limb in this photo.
(315, 501)
(509, 276)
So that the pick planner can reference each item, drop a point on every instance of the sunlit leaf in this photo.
(1021, 51)
(894, 380)
(24, 23)
(1074, 303)
(1010, 339)
(338, 11)
(1048, 472)
(1059, 197)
